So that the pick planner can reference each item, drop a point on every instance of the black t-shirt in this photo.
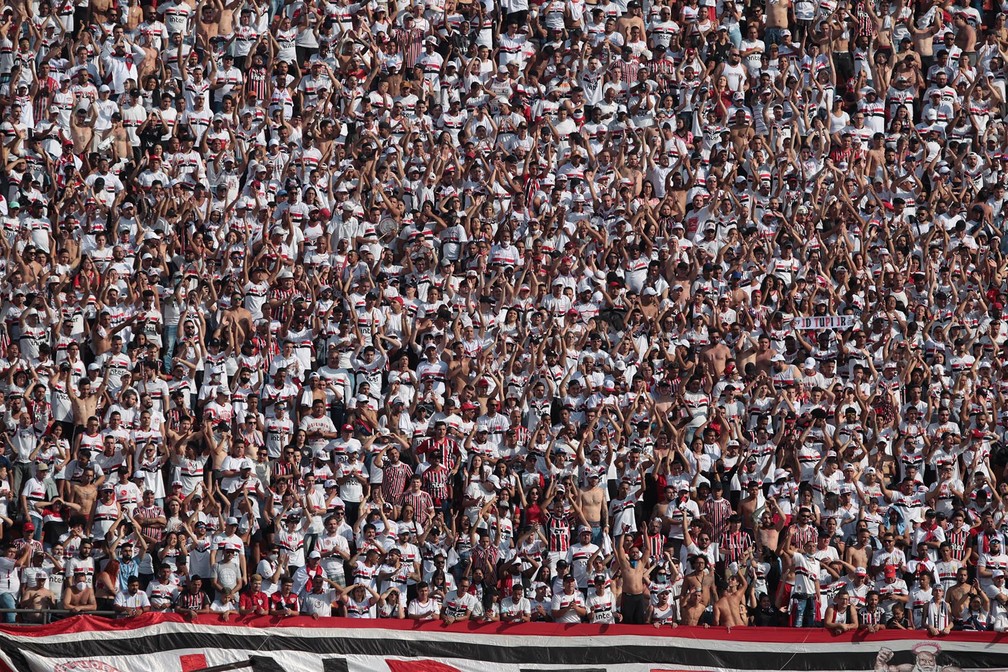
(764, 617)
(895, 623)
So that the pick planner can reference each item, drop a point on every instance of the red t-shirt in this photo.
(277, 599)
(251, 602)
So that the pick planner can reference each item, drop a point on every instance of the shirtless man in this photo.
(698, 593)
(632, 17)
(717, 353)
(82, 130)
(632, 172)
(649, 304)
(923, 40)
(729, 610)
(836, 31)
(150, 61)
(694, 601)
(633, 568)
(237, 317)
(225, 25)
(38, 598)
(78, 597)
(592, 504)
(84, 494)
(120, 140)
(676, 195)
(875, 154)
(102, 11)
(741, 132)
(776, 13)
(959, 594)
(965, 35)
(83, 400)
(208, 16)
(861, 551)
(763, 357)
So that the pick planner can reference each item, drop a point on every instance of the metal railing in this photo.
(50, 615)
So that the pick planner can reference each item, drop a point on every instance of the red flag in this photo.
(193, 661)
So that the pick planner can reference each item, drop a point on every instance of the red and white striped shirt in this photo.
(394, 480)
(733, 545)
(435, 483)
(559, 528)
(800, 535)
(717, 512)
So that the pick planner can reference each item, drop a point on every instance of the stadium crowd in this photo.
(682, 312)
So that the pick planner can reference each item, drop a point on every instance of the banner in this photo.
(825, 322)
(166, 643)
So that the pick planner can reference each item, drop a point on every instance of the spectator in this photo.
(568, 604)
(193, 601)
(227, 578)
(132, 601)
(78, 596)
(285, 602)
(37, 599)
(254, 602)
(359, 601)
(458, 605)
(423, 607)
(163, 591)
(318, 600)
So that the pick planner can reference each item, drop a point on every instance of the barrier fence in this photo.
(44, 616)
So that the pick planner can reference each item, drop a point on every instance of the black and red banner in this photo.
(168, 643)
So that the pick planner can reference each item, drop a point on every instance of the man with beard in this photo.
(925, 660)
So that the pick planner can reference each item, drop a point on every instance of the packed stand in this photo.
(678, 313)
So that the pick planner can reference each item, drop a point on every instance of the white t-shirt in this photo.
(562, 600)
(457, 605)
